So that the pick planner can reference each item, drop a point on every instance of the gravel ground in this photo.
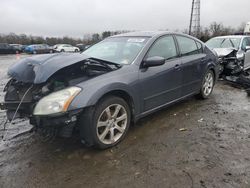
(191, 144)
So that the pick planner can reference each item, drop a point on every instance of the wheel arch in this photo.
(122, 94)
(87, 114)
(212, 67)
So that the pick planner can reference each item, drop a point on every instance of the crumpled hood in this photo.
(222, 52)
(38, 69)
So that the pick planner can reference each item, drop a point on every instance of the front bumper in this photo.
(64, 123)
(56, 120)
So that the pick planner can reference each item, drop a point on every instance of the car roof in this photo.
(232, 36)
(152, 34)
(143, 34)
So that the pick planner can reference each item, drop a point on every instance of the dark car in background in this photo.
(7, 49)
(38, 49)
(82, 47)
(18, 47)
(111, 84)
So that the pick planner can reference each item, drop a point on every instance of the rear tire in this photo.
(105, 125)
(207, 85)
(62, 50)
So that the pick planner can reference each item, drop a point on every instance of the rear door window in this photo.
(187, 46)
(163, 47)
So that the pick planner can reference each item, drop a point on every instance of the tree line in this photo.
(214, 29)
(24, 39)
(218, 29)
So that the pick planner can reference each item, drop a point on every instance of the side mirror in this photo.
(153, 61)
(247, 48)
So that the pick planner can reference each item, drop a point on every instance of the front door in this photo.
(162, 84)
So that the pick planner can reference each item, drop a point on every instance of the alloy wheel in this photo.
(111, 124)
(208, 84)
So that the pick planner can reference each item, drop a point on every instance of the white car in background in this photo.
(66, 48)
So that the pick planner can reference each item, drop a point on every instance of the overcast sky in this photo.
(78, 17)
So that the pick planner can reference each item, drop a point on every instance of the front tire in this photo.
(207, 85)
(106, 124)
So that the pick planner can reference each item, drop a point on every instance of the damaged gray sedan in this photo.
(108, 86)
(233, 52)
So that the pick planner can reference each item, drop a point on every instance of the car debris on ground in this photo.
(241, 79)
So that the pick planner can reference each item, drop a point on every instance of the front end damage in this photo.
(232, 68)
(21, 99)
(33, 79)
(231, 63)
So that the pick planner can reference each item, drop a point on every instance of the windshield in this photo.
(120, 50)
(224, 43)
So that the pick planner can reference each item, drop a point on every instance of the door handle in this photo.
(203, 59)
(177, 66)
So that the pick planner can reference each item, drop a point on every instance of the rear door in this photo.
(162, 84)
(72, 48)
(39, 49)
(8, 49)
(193, 62)
(45, 48)
(68, 48)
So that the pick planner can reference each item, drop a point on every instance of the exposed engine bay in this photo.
(230, 63)
(21, 97)
(232, 68)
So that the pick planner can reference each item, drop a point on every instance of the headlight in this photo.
(56, 102)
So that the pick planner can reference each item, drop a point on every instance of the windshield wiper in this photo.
(106, 63)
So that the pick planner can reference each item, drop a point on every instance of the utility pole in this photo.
(194, 26)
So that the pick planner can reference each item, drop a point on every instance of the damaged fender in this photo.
(98, 87)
